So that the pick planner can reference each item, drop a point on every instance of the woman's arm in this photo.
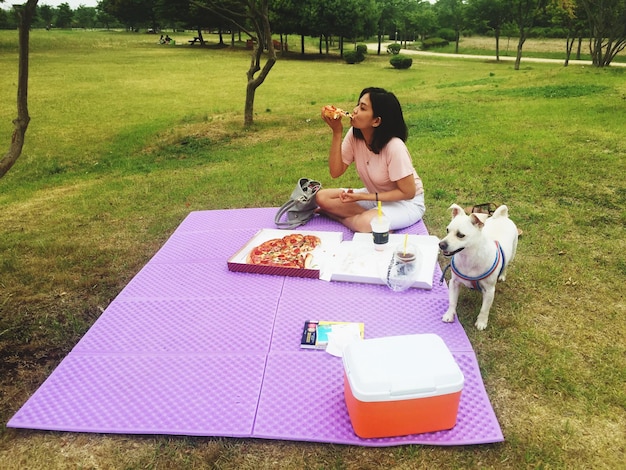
(335, 164)
(406, 190)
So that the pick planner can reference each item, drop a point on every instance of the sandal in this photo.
(487, 208)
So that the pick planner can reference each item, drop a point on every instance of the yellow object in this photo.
(380, 209)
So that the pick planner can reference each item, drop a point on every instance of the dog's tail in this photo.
(501, 211)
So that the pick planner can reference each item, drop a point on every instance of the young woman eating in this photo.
(375, 143)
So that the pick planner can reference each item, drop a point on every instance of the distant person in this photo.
(167, 39)
(375, 143)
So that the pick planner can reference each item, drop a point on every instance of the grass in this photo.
(127, 137)
(543, 48)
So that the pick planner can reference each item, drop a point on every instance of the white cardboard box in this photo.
(329, 243)
(358, 261)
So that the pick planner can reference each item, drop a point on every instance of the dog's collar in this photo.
(476, 280)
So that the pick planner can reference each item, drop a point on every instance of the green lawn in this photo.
(128, 136)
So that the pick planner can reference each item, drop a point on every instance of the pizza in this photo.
(334, 112)
(291, 251)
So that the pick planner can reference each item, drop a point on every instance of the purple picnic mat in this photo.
(189, 347)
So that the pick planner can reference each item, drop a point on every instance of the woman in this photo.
(376, 145)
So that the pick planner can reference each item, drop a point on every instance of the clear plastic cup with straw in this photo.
(403, 267)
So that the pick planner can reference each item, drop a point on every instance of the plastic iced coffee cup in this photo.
(380, 232)
(403, 267)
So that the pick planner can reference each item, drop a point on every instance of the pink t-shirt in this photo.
(379, 172)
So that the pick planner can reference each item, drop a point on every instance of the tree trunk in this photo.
(568, 49)
(264, 35)
(497, 34)
(25, 13)
(520, 45)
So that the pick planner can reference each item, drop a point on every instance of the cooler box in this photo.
(401, 385)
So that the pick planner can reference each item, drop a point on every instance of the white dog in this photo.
(481, 248)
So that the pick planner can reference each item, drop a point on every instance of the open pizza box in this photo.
(321, 255)
(358, 261)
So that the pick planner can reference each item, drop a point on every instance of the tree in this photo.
(131, 13)
(25, 13)
(451, 13)
(85, 17)
(46, 13)
(567, 13)
(64, 16)
(491, 14)
(425, 19)
(243, 13)
(385, 10)
(104, 18)
(607, 19)
(293, 17)
(524, 16)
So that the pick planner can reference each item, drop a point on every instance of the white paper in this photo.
(358, 261)
(340, 336)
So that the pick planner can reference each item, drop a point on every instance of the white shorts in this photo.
(401, 214)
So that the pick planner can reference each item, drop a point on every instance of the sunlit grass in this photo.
(127, 137)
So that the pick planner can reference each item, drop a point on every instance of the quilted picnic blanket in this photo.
(191, 348)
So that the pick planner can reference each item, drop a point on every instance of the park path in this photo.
(383, 48)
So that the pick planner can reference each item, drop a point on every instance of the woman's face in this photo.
(363, 114)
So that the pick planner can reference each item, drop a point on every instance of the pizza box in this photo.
(321, 255)
(358, 261)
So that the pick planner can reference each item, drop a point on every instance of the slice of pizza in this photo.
(334, 112)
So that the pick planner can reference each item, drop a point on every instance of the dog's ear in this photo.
(456, 210)
(478, 219)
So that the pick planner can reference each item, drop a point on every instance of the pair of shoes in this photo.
(487, 208)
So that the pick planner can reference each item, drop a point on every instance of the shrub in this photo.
(401, 61)
(434, 42)
(353, 57)
(447, 34)
(394, 48)
(362, 48)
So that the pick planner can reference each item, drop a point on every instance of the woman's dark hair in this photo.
(386, 106)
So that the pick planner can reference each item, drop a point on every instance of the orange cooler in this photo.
(401, 385)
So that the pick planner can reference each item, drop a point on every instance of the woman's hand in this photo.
(335, 124)
(350, 196)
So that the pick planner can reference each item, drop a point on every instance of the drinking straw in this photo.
(380, 209)
(406, 238)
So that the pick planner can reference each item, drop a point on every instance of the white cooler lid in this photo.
(401, 368)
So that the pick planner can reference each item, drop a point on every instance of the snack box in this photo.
(328, 245)
(400, 385)
(358, 261)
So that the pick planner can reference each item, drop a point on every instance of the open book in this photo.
(315, 332)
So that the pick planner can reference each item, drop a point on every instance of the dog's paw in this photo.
(480, 324)
(448, 317)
